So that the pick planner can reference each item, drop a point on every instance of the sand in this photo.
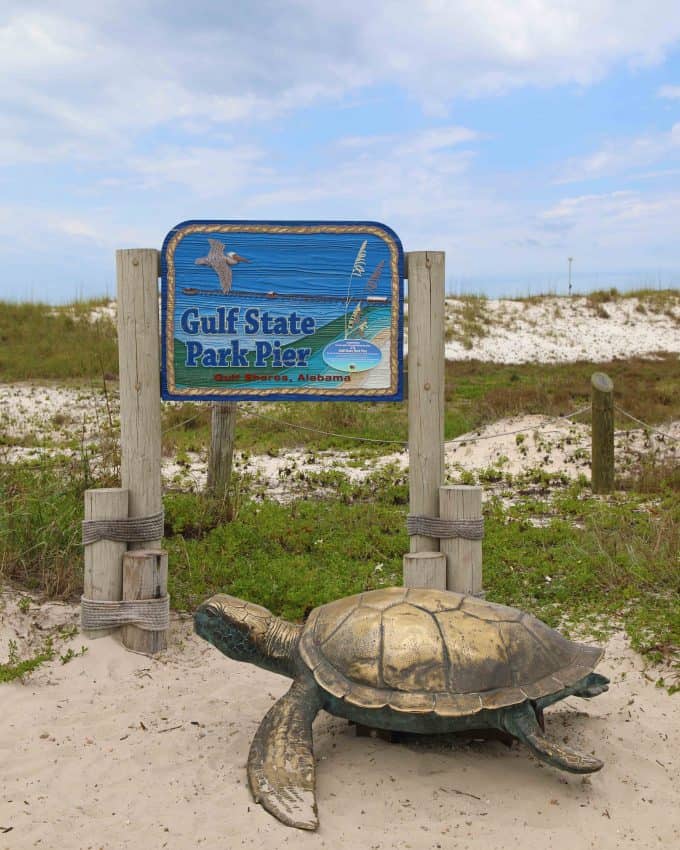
(561, 330)
(116, 750)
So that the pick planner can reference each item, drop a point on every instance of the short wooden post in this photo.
(425, 272)
(425, 569)
(221, 455)
(103, 576)
(602, 471)
(139, 367)
(463, 557)
(145, 576)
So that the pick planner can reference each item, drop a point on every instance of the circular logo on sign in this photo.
(352, 355)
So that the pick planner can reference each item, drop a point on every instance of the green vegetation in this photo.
(43, 342)
(569, 558)
(16, 669)
(40, 513)
(467, 320)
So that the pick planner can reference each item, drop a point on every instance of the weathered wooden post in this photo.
(132, 516)
(463, 505)
(425, 569)
(425, 272)
(602, 472)
(145, 578)
(139, 370)
(220, 459)
(103, 576)
(145, 569)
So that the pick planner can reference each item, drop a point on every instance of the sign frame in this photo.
(225, 392)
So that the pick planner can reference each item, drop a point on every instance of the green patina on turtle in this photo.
(403, 659)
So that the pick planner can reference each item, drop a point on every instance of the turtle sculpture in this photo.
(403, 659)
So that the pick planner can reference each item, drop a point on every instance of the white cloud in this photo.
(162, 112)
(437, 139)
(207, 172)
(669, 92)
(416, 173)
(94, 78)
(621, 156)
(628, 222)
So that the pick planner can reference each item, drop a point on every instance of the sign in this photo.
(267, 311)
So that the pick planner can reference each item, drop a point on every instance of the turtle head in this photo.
(237, 628)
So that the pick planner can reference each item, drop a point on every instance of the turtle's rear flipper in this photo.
(521, 722)
(281, 761)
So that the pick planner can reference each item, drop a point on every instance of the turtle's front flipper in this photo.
(281, 761)
(522, 723)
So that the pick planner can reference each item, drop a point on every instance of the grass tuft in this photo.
(55, 343)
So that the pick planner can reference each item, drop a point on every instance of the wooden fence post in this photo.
(103, 576)
(139, 368)
(145, 576)
(425, 272)
(463, 557)
(425, 569)
(602, 470)
(223, 430)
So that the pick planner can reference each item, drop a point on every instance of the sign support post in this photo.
(425, 273)
(139, 374)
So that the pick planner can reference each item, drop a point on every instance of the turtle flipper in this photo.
(522, 723)
(281, 760)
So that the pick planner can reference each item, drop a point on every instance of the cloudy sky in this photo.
(509, 133)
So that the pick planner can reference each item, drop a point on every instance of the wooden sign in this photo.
(282, 310)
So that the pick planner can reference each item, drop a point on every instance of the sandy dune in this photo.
(560, 330)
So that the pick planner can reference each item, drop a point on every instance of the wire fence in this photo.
(103, 448)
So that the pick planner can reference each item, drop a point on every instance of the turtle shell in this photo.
(417, 651)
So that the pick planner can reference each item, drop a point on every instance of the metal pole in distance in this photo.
(425, 272)
(139, 375)
(602, 474)
(570, 261)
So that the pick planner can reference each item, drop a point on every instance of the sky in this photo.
(511, 134)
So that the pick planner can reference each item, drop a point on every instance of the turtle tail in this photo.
(523, 724)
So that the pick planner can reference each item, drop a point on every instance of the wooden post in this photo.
(602, 472)
(139, 366)
(145, 576)
(221, 447)
(463, 557)
(103, 578)
(425, 569)
(425, 272)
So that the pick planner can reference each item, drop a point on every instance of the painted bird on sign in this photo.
(221, 263)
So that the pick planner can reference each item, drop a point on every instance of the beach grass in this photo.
(40, 342)
(593, 564)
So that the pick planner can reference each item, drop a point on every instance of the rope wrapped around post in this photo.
(131, 530)
(443, 529)
(149, 614)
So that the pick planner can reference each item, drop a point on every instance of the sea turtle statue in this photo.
(403, 659)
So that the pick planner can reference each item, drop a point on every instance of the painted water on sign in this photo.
(257, 310)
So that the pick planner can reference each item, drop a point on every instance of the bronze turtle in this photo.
(403, 659)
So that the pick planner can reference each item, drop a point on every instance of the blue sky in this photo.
(510, 135)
